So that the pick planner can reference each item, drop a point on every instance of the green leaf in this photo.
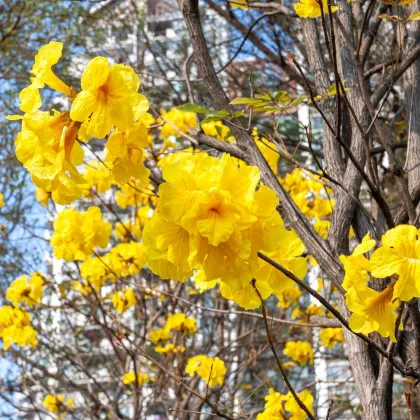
(247, 101)
(194, 108)
(238, 114)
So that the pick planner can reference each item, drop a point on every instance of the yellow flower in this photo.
(218, 130)
(124, 151)
(399, 254)
(123, 299)
(124, 260)
(169, 348)
(159, 335)
(314, 309)
(180, 119)
(57, 403)
(312, 9)
(299, 351)
(135, 195)
(97, 176)
(205, 366)
(26, 290)
(48, 149)
(273, 408)
(126, 230)
(1, 200)
(331, 336)
(42, 196)
(288, 297)
(15, 327)
(77, 234)
(287, 255)
(372, 311)
(46, 58)
(130, 378)
(108, 98)
(293, 408)
(180, 322)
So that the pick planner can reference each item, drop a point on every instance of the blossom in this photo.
(124, 152)
(287, 255)
(175, 121)
(331, 336)
(47, 147)
(1, 200)
(130, 378)
(218, 130)
(15, 327)
(292, 406)
(273, 408)
(123, 299)
(211, 218)
(399, 254)
(210, 369)
(180, 322)
(372, 311)
(288, 297)
(97, 176)
(77, 234)
(57, 403)
(26, 290)
(169, 348)
(108, 97)
(42, 196)
(159, 335)
(47, 56)
(299, 351)
(312, 9)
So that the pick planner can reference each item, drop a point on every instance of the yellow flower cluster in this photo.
(130, 378)
(57, 403)
(309, 194)
(1, 200)
(135, 195)
(312, 9)
(123, 299)
(174, 322)
(47, 144)
(331, 336)
(276, 406)
(299, 351)
(122, 261)
(77, 234)
(15, 327)
(26, 290)
(373, 310)
(210, 217)
(98, 177)
(212, 370)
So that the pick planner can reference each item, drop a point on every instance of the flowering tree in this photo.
(174, 219)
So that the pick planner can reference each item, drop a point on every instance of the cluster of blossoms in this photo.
(131, 377)
(58, 403)
(312, 198)
(123, 299)
(397, 257)
(211, 217)
(122, 261)
(108, 104)
(277, 405)
(77, 234)
(15, 322)
(174, 322)
(212, 370)
(299, 351)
